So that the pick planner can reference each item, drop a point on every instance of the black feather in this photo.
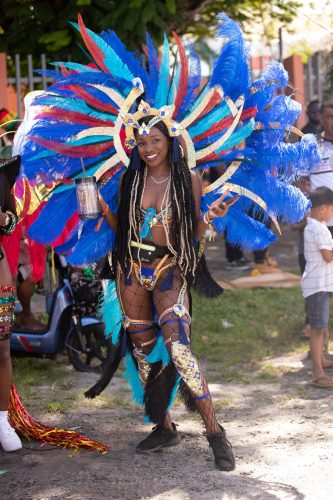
(109, 369)
(158, 391)
(187, 397)
(203, 282)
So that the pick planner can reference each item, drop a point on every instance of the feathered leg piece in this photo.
(28, 427)
(159, 390)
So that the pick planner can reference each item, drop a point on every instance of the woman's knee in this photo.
(175, 328)
(143, 339)
(146, 346)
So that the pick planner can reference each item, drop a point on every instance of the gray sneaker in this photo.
(240, 264)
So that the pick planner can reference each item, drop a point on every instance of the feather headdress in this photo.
(90, 112)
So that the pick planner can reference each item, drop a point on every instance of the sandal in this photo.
(322, 382)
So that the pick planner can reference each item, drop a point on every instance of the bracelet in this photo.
(206, 219)
(7, 288)
(7, 308)
(6, 300)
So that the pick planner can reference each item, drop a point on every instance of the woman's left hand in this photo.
(220, 208)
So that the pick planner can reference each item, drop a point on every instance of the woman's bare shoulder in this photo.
(196, 181)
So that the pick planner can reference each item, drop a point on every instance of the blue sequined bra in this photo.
(150, 218)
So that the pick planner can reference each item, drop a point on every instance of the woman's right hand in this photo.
(3, 219)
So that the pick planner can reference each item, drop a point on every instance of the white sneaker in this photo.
(8, 438)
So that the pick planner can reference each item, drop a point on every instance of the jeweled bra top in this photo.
(149, 218)
(165, 214)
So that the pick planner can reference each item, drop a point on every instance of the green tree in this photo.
(30, 26)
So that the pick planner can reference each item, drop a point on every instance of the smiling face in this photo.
(153, 148)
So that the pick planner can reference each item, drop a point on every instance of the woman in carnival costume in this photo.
(13, 415)
(145, 128)
(9, 170)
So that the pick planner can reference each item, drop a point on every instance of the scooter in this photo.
(68, 327)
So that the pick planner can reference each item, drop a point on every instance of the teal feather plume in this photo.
(163, 83)
(132, 376)
(111, 312)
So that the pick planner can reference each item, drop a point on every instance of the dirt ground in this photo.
(282, 435)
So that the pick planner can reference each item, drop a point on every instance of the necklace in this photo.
(159, 182)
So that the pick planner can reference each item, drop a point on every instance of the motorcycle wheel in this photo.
(97, 347)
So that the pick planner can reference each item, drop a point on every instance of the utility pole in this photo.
(280, 46)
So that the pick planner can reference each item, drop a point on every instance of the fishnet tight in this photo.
(138, 303)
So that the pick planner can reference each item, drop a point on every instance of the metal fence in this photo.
(29, 81)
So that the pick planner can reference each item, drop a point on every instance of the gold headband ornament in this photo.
(163, 114)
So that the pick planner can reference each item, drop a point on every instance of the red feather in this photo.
(93, 48)
(92, 101)
(183, 80)
(83, 151)
(71, 224)
(74, 117)
(224, 123)
(65, 71)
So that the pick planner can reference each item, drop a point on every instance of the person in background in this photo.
(322, 173)
(317, 281)
(314, 125)
(233, 253)
(304, 185)
(26, 260)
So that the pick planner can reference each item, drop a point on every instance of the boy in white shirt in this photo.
(317, 280)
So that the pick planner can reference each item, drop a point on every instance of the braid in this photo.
(130, 197)
(184, 217)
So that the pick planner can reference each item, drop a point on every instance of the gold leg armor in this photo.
(188, 368)
(144, 366)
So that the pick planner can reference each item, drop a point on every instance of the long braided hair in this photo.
(182, 205)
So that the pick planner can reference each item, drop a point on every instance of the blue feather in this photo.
(163, 82)
(231, 69)
(243, 231)
(129, 59)
(153, 69)
(54, 217)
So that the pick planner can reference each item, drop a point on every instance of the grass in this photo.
(262, 323)
(37, 372)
